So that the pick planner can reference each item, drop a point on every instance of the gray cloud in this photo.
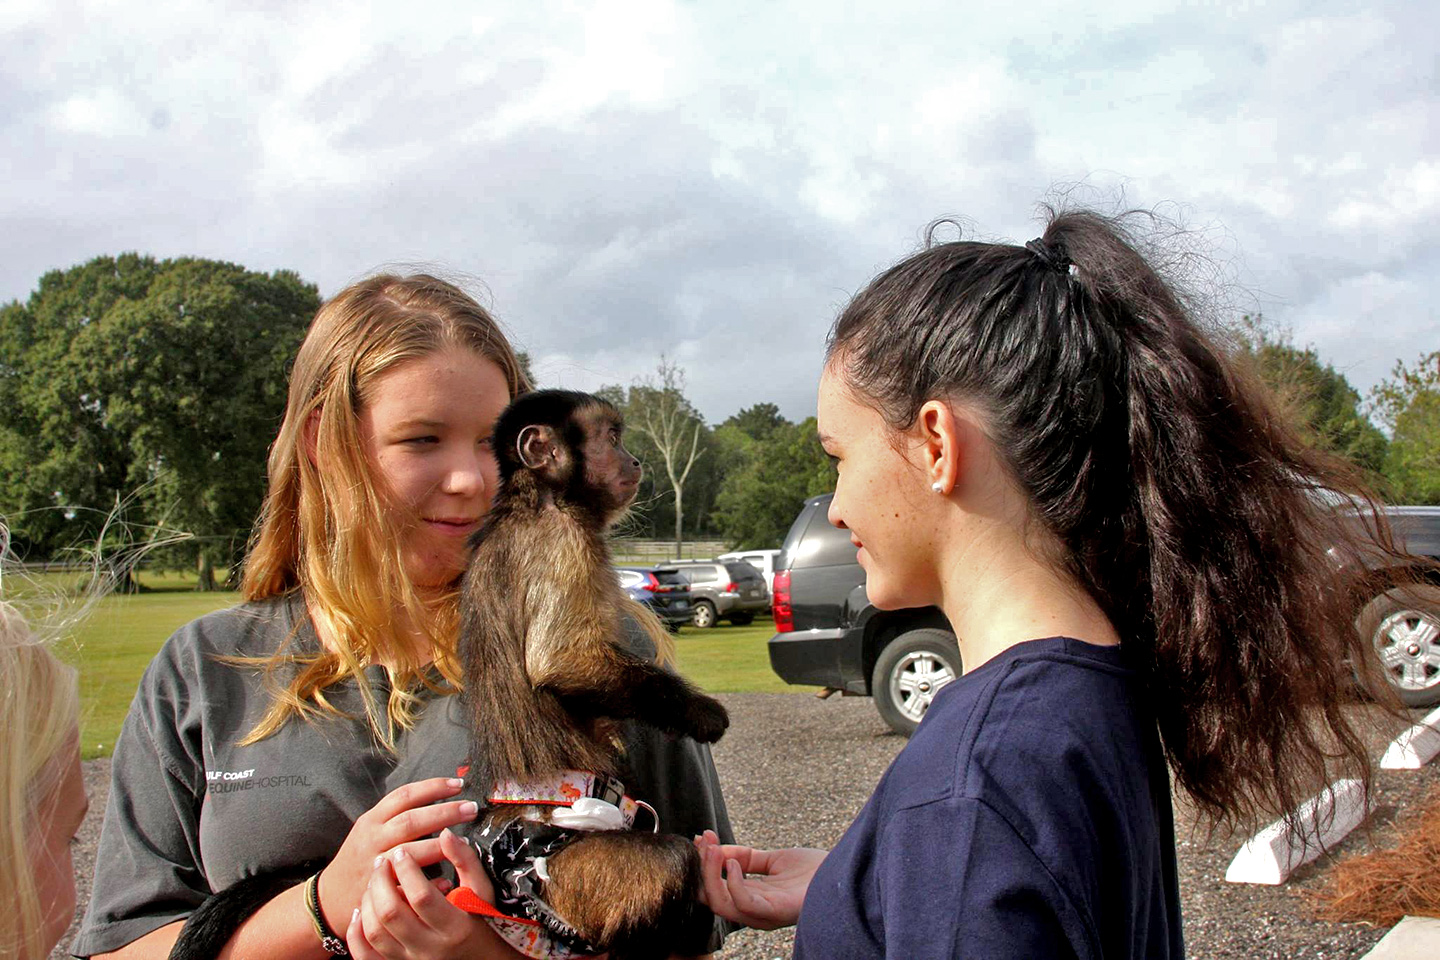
(715, 182)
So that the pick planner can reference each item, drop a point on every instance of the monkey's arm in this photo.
(602, 680)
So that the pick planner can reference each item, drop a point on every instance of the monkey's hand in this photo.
(705, 718)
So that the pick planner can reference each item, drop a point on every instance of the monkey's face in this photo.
(611, 471)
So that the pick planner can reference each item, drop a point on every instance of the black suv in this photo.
(830, 636)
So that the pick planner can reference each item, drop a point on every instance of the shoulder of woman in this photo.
(251, 629)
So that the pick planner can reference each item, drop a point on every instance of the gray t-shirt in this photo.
(190, 812)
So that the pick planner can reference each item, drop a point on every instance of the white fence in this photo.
(650, 552)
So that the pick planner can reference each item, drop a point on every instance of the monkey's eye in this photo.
(614, 438)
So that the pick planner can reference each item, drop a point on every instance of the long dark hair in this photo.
(1185, 503)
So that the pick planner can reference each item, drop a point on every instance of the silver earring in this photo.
(937, 486)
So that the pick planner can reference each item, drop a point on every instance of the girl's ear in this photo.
(942, 455)
(309, 435)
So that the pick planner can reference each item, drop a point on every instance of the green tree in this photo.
(57, 455)
(1408, 405)
(757, 422)
(759, 500)
(1321, 402)
(165, 378)
(523, 358)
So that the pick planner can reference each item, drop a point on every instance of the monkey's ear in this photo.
(537, 446)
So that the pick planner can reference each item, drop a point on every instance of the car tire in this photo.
(703, 615)
(909, 672)
(1402, 630)
(742, 619)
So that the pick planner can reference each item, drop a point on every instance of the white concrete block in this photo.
(1415, 747)
(1324, 820)
(1413, 938)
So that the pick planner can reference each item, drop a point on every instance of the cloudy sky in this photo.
(715, 179)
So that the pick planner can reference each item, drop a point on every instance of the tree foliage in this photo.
(1321, 402)
(1408, 405)
(759, 498)
(161, 379)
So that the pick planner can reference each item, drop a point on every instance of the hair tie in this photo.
(1052, 255)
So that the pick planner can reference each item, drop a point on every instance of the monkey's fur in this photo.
(547, 682)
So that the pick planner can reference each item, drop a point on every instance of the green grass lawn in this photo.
(731, 659)
(112, 646)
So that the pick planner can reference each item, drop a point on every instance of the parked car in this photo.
(721, 590)
(828, 634)
(1403, 624)
(667, 594)
(762, 560)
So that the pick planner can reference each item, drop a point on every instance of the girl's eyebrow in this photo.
(427, 424)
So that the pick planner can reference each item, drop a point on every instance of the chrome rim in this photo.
(1408, 644)
(916, 679)
(703, 616)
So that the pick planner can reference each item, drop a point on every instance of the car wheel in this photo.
(1403, 630)
(742, 619)
(910, 671)
(704, 615)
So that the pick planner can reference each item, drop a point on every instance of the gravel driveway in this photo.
(796, 770)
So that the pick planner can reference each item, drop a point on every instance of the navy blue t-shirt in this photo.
(1029, 816)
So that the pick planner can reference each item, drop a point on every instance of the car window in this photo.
(821, 545)
(743, 571)
(670, 577)
(701, 573)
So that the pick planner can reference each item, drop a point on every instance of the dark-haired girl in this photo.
(1041, 441)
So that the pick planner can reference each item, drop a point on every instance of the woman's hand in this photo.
(404, 814)
(771, 899)
(404, 916)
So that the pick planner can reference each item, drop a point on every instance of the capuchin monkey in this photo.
(547, 681)
(547, 684)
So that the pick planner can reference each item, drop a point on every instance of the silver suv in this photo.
(722, 590)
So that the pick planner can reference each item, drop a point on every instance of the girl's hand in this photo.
(771, 899)
(405, 916)
(405, 814)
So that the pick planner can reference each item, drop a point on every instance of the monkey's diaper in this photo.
(515, 853)
(589, 813)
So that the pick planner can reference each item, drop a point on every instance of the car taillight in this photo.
(650, 583)
(731, 587)
(784, 616)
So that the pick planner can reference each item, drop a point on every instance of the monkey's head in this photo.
(570, 445)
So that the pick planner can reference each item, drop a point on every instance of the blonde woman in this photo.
(42, 798)
(315, 723)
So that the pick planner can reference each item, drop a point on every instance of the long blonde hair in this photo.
(327, 533)
(39, 705)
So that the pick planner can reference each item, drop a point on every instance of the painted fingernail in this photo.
(446, 833)
(355, 916)
(400, 854)
(379, 860)
(456, 782)
(469, 808)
